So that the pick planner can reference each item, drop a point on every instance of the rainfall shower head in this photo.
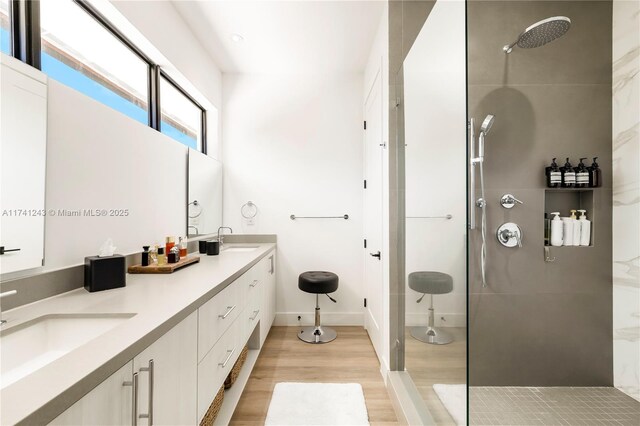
(541, 33)
(486, 124)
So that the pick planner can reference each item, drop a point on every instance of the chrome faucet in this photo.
(5, 294)
(221, 236)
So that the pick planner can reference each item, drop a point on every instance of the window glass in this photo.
(5, 28)
(181, 118)
(79, 52)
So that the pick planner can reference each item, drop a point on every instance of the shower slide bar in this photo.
(294, 217)
(448, 217)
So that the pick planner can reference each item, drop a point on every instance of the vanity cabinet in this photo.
(109, 403)
(168, 370)
(179, 374)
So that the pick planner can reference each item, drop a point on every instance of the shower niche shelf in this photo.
(564, 200)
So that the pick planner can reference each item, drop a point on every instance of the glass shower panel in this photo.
(434, 104)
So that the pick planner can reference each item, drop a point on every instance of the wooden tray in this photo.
(164, 269)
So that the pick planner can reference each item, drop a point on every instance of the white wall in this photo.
(626, 197)
(378, 61)
(98, 158)
(435, 134)
(293, 145)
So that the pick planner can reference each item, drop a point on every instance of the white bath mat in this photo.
(454, 399)
(317, 404)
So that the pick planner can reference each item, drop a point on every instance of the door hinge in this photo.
(365, 124)
(365, 184)
(365, 243)
(365, 302)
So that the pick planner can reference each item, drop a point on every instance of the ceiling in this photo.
(304, 36)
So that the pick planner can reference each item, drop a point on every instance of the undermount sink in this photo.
(239, 248)
(30, 346)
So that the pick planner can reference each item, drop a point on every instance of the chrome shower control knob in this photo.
(508, 201)
(509, 235)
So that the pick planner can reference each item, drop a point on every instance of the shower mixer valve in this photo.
(508, 201)
(509, 235)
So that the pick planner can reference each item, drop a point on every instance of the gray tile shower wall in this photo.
(541, 323)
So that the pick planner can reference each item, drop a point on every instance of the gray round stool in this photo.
(318, 282)
(431, 282)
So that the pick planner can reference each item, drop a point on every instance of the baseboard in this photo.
(450, 320)
(407, 403)
(328, 318)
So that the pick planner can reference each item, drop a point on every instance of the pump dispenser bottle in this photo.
(567, 231)
(585, 229)
(582, 174)
(554, 176)
(595, 175)
(576, 229)
(556, 230)
(568, 175)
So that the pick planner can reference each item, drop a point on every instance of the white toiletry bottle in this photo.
(576, 229)
(556, 230)
(567, 231)
(585, 229)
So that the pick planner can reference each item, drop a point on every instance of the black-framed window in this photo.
(80, 52)
(73, 43)
(182, 118)
(5, 28)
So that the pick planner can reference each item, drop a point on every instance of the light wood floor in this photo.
(431, 364)
(284, 358)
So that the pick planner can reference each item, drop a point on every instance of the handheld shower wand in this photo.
(481, 202)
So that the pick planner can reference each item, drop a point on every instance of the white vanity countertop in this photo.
(159, 302)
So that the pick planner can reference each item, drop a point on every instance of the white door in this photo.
(374, 146)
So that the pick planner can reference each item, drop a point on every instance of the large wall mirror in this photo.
(23, 135)
(204, 202)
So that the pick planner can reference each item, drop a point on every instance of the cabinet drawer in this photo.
(217, 315)
(216, 365)
(251, 315)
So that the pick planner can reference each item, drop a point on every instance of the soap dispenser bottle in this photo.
(585, 229)
(554, 176)
(582, 174)
(568, 175)
(595, 175)
(556, 230)
(567, 231)
(576, 229)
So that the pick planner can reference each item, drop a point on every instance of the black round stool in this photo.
(318, 282)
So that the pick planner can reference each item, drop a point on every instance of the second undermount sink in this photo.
(239, 248)
(30, 346)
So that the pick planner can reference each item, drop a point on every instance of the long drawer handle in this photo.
(255, 315)
(254, 283)
(150, 414)
(226, 314)
(224, 363)
(134, 398)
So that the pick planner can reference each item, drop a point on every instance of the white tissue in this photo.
(107, 249)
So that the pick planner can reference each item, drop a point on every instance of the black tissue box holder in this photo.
(104, 273)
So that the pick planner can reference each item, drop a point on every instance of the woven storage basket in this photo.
(235, 371)
(214, 409)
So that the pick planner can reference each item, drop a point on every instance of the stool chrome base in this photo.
(313, 334)
(435, 336)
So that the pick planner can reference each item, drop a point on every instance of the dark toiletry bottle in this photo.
(595, 175)
(547, 230)
(145, 256)
(568, 175)
(554, 176)
(582, 174)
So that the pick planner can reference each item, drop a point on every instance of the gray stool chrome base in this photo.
(431, 335)
(313, 334)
